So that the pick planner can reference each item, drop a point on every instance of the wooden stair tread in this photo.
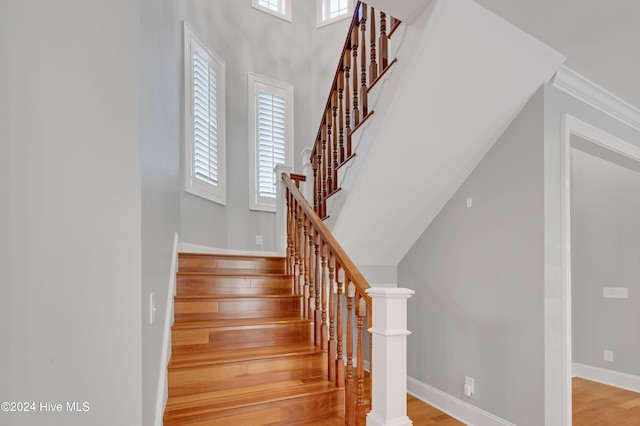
(229, 399)
(236, 271)
(238, 296)
(192, 359)
(238, 322)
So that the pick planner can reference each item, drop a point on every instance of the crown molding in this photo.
(590, 93)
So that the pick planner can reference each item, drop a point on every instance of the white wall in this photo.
(160, 64)
(71, 191)
(478, 277)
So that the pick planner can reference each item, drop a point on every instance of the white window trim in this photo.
(286, 6)
(194, 185)
(321, 22)
(255, 82)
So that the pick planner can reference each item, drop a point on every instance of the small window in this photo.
(279, 8)
(329, 11)
(271, 126)
(204, 120)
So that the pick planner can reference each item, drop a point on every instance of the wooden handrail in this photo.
(363, 60)
(350, 269)
(311, 252)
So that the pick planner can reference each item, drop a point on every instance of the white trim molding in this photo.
(590, 93)
(454, 407)
(607, 377)
(162, 394)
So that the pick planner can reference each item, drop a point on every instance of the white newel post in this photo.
(307, 170)
(281, 210)
(389, 354)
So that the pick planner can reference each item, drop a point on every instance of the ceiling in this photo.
(601, 39)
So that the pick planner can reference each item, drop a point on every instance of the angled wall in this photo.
(478, 274)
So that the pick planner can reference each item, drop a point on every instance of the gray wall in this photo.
(478, 275)
(160, 64)
(71, 191)
(249, 40)
(605, 248)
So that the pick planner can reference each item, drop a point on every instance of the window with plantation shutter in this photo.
(279, 8)
(271, 123)
(204, 120)
(328, 11)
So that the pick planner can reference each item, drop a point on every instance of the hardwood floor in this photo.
(595, 404)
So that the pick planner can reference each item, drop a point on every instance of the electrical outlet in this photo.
(608, 356)
(469, 385)
(259, 240)
(615, 293)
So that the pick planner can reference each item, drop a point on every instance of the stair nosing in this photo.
(186, 325)
(225, 274)
(233, 256)
(249, 357)
(173, 408)
(237, 296)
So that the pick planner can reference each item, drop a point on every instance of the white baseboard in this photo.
(161, 397)
(607, 377)
(197, 248)
(456, 408)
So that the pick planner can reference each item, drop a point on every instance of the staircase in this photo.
(242, 353)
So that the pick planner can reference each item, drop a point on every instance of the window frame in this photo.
(256, 84)
(193, 184)
(285, 5)
(320, 19)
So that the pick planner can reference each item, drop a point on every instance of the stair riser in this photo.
(217, 339)
(274, 413)
(209, 378)
(205, 263)
(211, 285)
(210, 309)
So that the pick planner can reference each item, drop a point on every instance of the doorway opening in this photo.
(601, 261)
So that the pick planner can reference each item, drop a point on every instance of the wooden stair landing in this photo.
(242, 353)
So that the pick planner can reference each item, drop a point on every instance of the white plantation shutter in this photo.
(328, 11)
(335, 8)
(275, 5)
(271, 124)
(205, 120)
(279, 8)
(271, 141)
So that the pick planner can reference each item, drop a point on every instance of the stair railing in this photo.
(334, 291)
(329, 280)
(363, 61)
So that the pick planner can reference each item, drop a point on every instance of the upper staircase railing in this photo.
(364, 59)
